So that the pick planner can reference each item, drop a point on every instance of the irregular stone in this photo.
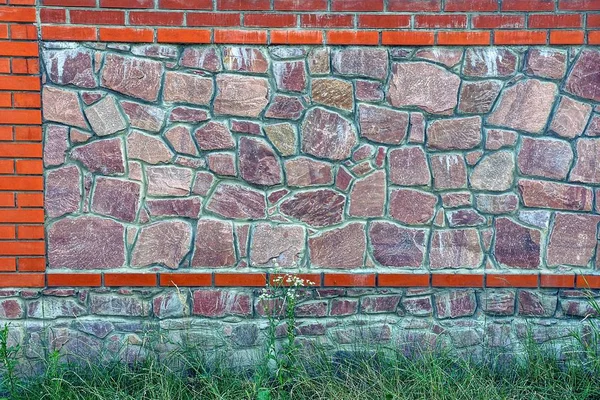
(367, 196)
(318, 61)
(516, 245)
(546, 158)
(494, 172)
(258, 163)
(277, 195)
(285, 107)
(465, 217)
(343, 307)
(188, 208)
(187, 88)
(290, 76)
(418, 306)
(103, 240)
(242, 96)
(109, 304)
(570, 118)
(367, 90)
(203, 183)
(326, 134)
(214, 136)
(364, 152)
(593, 128)
(135, 77)
(584, 79)
(546, 63)
(105, 117)
(455, 248)
(249, 127)
(116, 198)
(498, 302)
(417, 128)
(90, 97)
(396, 246)
(339, 248)
(70, 67)
(237, 202)
(188, 114)
(150, 149)
(316, 208)
(382, 125)
(449, 171)
(47, 308)
(171, 304)
(214, 246)
(424, 85)
(473, 157)
(379, 304)
(76, 136)
(285, 52)
(587, 165)
(525, 106)
(56, 145)
(558, 196)
(454, 133)
(537, 218)
(499, 138)
(455, 303)
(277, 245)
(304, 171)
(283, 137)
(164, 242)
(412, 207)
(62, 106)
(143, 116)
(369, 62)
(478, 97)
(219, 303)
(572, 240)
(180, 138)
(448, 57)
(489, 62)
(207, 58)
(62, 191)
(536, 304)
(245, 59)
(168, 181)
(101, 156)
(497, 203)
(100, 329)
(456, 199)
(332, 92)
(343, 179)
(155, 51)
(222, 164)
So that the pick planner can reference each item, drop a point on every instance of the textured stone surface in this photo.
(427, 86)
(587, 166)
(396, 246)
(56, 145)
(277, 245)
(150, 149)
(62, 106)
(258, 163)
(456, 248)
(285, 107)
(558, 196)
(494, 172)
(187, 207)
(516, 245)
(181, 140)
(283, 137)
(245, 59)
(201, 58)
(584, 79)
(372, 63)
(304, 171)
(70, 67)
(525, 106)
(168, 181)
(449, 171)
(382, 125)
(489, 62)
(408, 167)
(187, 88)
(546, 63)
(367, 196)
(62, 191)
(135, 77)
(164, 242)
(456, 303)
(116, 198)
(573, 239)
(454, 134)
(290, 76)
(316, 208)
(214, 136)
(412, 207)
(339, 248)
(105, 117)
(570, 118)
(214, 246)
(499, 138)
(102, 156)
(334, 93)
(478, 97)
(143, 116)
(545, 158)
(326, 134)
(242, 96)
(237, 202)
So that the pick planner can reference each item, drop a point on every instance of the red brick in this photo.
(511, 280)
(527, 5)
(8, 264)
(27, 100)
(357, 5)
(89, 17)
(127, 4)
(583, 5)
(240, 37)
(53, 15)
(7, 167)
(350, 280)
(506, 21)
(182, 280)
(129, 279)
(23, 32)
(301, 5)
(91, 280)
(31, 232)
(7, 232)
(17, 14)
(32, 264)
(7, 199)
(471, 5)
(441, 21)
(19, 280)
(270, 20)
(5, 100)
(21, 150)
(594, 37)
(28, 133)
(213, 19)
(137, 35)
(469, 38)
(520, 37)
(30, 200)
(407, 38)
(384, 21)
(567, 37)
(353, 37)
(20, 215)
(296, 37)
(68, 33)
(22, 248)
(69, 3)
(30, 167)
(18, 66)
(6, 133)
(22, 49)
(315, 278)
(4, 65)
(146, 18)
(250, 5)
(555, 21)
(403, 280)
(593, 20)
(457, 280)
(186, 4)
(182, 35)
(414, 5)
(326, 21)
(242, 280)
(21, 183)
(588, 281)
(557, 281)
(3, 31)
(20, 117)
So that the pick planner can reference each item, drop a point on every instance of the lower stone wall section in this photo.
(130, 323)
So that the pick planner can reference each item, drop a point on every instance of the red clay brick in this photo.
(32, 264)
(129, 279)
(127, 4)
(250, 5)
(96, 17)
(19, 49)
(27, 100)
(21, 183)
(18, 215)
(567, 37)
(213, 19)
(137, 35)
(27, 200)
(53, 15)
(407, 38)
(7, 232)
(512, 280)
(350, 280)
(28, 133)
(414, 5)
(240, 37)
(17, 14)
(469, 38)
(31, 232)
(594, 37)
(506, 21)
(557, 281)
(520, 37)
(7, 199)
(185, 4)
(182, 35)
(326, 20)
(300, 5)
(357, 5)
(353, 37)
(30, 167)
(72, 33)
(91, 280)
(583, 5)
(21, 150)
(403, 280)
(182, 280)
(588, 281)
(471, 5)
(384, 21)
(296, 37)
(22, 248)
(270, 20)
(527, 5)
(242, 280)
(19, 280)
(7, 167)
(157, 18)
(8, 264)
(23, 32)
(441, 21)
(315, 278)
(555, 21)
(457, 280)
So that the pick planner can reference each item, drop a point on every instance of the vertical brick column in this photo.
(21, 166)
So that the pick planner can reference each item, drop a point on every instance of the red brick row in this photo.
(337, 37)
